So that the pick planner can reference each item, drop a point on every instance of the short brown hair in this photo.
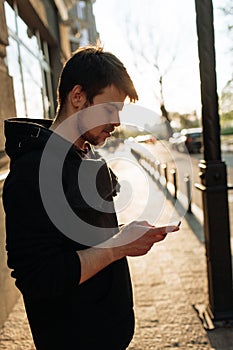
(93, 69)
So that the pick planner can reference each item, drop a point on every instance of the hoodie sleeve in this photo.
(44, 261)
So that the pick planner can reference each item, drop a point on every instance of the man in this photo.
(69, 262)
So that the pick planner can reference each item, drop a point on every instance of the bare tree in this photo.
(227, 92)
(228, 12)
(154, 58)
(226, 101)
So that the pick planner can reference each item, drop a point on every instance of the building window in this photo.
(28, 63)
(81, 10)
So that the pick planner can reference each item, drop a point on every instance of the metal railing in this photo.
(160, 173)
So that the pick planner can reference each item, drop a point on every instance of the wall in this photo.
(42, 16)
(8, 292)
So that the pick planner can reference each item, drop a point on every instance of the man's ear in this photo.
(77, 97)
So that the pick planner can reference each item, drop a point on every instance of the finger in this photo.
(173, 228)
(160, 237)
(144, 223)
(156, 238)
(165, 229)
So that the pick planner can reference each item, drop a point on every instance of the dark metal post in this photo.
(188, 191)
(213, 175)
(164, 167)
(174, 176)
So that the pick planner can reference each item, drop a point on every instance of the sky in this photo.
(141, 33)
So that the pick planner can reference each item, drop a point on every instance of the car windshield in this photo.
(195, 134)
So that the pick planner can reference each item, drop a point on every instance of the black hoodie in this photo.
(43, 257)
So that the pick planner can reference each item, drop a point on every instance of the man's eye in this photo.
(111, 110)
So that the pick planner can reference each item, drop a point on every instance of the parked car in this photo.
(146, 138)
(177, 141)
(190, 139)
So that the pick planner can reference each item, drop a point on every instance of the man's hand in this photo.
(138, 237)
(134, 239)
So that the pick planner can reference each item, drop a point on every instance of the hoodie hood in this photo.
(25, 134)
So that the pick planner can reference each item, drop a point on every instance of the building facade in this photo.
(36, 37)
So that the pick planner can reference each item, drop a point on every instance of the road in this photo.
(187, 164)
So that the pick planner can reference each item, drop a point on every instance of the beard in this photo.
(94, 140)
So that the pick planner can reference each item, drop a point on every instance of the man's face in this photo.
(103, 114)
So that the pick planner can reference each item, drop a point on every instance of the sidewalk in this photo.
(166, 282)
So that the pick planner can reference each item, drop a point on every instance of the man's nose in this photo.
(116, 124)
(115, 120)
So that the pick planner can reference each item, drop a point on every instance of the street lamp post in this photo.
(213, 175)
